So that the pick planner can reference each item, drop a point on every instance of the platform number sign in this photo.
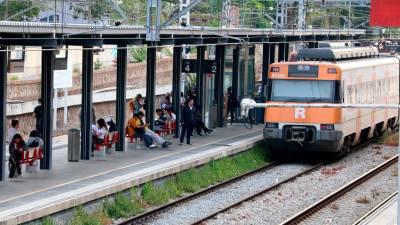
(189, 66)
(212, 66)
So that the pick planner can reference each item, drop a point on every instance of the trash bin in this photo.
(74, 145)
(213, 117)
(259, 111)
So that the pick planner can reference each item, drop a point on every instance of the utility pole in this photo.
(281, 14)
(184, 19)
(153, 20)
(301, 16)
(226, 6)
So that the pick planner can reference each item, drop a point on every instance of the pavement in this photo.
(69, 184)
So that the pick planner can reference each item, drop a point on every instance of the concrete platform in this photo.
(70, 184)
(385, 214)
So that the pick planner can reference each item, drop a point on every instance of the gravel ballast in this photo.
(289, 199)
(354, 204)
(197, 208)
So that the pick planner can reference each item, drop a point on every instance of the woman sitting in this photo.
(99, 131)
(34, 140)
(16, 148)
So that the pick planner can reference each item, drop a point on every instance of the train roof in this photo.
(336, 54)
(381, 59)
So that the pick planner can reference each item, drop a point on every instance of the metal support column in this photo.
(47, 107)
(3, 110)
(176, 86)
(150, 85)
(268, 58)
(282, 54)
(235, 70)
(219, 83)
(287, 51)
(87, 98)
(200, 77)
(122, 58)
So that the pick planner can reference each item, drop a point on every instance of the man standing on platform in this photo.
(188, 121)
(38, 114)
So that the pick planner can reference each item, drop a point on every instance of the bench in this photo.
(30, 158)
(108, 145)
(133, 140)
(169, 129)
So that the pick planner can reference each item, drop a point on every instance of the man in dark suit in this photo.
(188, 121)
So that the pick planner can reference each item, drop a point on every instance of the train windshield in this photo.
(303, 90)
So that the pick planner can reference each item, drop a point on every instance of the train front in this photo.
(309, 129)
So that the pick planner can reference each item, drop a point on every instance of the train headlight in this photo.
(271, 125)
(327, 127)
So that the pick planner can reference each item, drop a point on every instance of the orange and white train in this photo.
(348, 75)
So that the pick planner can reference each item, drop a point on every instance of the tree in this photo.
(96, 9)
(15, 10)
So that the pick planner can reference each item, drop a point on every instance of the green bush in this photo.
(191, 180)
(167, 51)
(172, 188)
(138, 54)
(98, 65)
(82, 218)
(155, 195)
(122, 206)
(14, 77)
(48, 221)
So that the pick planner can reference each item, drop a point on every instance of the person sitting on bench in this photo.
(99, 132)
(34, 140)
(160, 122)
(112, 127)
(16, 148)
(137, 127)
(155, 137)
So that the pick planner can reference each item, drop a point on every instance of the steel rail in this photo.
(148, 214)
(296, 219)
(270, 188)
(376, 208)
(200, 221)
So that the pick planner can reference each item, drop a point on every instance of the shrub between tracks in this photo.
(187, 181)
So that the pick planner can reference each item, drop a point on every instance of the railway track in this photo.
(142, 218)
(146, 215)
(306, 213)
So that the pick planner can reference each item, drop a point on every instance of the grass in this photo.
(48, 221)
(389, 139)
(82, 218)
(188, 181)
(14, 77)
(123, 206)
(363, 200)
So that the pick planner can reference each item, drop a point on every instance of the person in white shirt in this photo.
(13, 130)
(102, 128)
